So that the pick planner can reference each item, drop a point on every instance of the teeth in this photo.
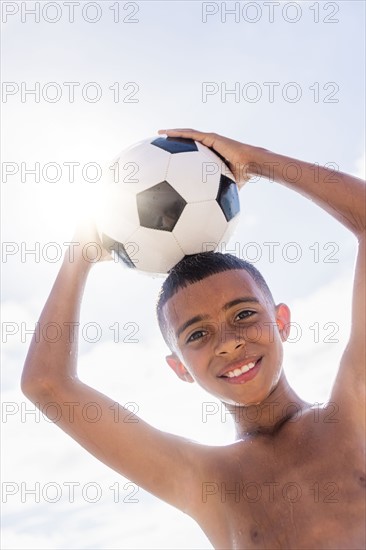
(238, 372)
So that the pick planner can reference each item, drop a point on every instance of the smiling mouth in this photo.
(243, 373)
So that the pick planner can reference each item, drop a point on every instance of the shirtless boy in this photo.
(246, 494)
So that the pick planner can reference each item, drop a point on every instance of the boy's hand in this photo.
(86, 233)
(239, 156)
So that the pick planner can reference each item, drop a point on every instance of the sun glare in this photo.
(62, 207)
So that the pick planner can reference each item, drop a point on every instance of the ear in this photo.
(178, 367)
(283, 319)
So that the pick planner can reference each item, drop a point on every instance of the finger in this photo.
(180, 132)
(176, 130)
(203, 137)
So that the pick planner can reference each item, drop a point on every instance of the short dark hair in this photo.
(194, 268)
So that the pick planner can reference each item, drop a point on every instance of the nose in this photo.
(228, 341)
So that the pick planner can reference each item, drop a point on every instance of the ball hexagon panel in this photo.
(160, 206)
(228, 197)
(117, 213)
(175, 145)
(142, 166)
(217, 159)
(204, 219)
(213, 155)
(155, 251)
(186, 171)
(230, 228)
(208, 152)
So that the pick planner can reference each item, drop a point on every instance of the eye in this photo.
(245, 314)
(196, 335)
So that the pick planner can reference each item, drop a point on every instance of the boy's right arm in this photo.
(164, 464)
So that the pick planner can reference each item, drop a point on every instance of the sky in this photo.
(287, 76)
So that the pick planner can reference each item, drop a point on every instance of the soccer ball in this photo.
(165, 198)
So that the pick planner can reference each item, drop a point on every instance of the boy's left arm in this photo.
(349, 389)
(341, 195)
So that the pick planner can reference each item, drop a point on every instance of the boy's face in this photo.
(221, 324)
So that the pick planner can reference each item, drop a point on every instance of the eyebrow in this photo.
(228, 305)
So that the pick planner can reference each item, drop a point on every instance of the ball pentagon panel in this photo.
(228, 197)
(160, 206)
(175, 145)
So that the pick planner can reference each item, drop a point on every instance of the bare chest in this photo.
(303, 489)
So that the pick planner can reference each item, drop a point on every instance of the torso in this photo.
(300, 488)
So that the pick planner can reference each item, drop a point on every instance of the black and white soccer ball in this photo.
(166, 198)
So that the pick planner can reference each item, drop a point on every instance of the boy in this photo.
(218, 317)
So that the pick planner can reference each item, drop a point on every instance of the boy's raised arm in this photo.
(341, 195)
(164, 464)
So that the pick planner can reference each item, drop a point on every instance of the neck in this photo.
(267, 417)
